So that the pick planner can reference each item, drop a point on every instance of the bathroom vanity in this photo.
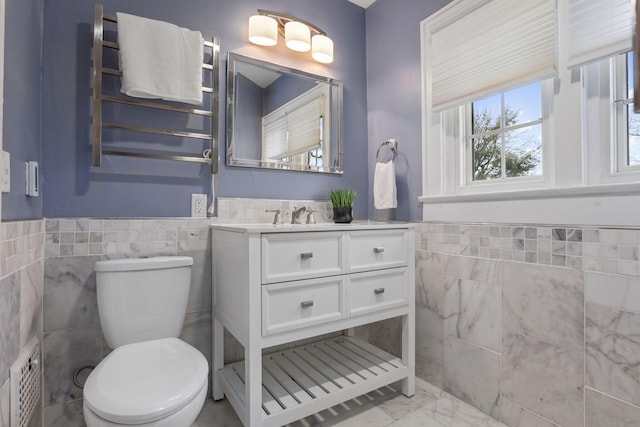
(276, 284)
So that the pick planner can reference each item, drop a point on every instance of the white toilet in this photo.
(151, 378)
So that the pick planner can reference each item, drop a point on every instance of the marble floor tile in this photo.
(543, 378)
(472, 374)
(613, 352)
(67, 414)
(398, 405)
(544, 302)
(417, 419)
(451, 412)
(472, 312)
(219, 414)
(603, 411)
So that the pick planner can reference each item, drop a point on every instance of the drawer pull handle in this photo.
(378, 291)
(378, 250)
(306, 304)
(306, 255)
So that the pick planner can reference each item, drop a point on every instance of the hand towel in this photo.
(384, 186)
(160, 60)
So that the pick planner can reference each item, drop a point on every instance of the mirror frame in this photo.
(232, 58)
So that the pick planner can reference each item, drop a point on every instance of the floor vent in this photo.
(25, 384)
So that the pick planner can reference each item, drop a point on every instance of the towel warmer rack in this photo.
(209, 155)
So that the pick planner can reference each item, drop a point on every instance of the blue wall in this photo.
(71, 187)
(250, 113)
(393, 95)
(141, 187)
(22, 91)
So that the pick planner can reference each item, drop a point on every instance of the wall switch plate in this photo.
(32, 179)
(5, 172)
(199, 205)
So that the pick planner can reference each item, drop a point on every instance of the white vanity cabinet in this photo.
(273, 285)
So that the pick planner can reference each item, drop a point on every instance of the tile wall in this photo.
(537, 326)
(21, 264)
(250, 211)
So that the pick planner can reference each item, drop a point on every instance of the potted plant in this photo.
(342, 201)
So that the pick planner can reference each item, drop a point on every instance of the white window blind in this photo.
(304, 127)
(598, 29)
(295, 127)
(478, 48)
(274, 137)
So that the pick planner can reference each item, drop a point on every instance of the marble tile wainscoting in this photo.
(72, 333)
(21, 266)
(537, 326)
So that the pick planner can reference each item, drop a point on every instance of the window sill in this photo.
(602, 205)
(601, 190)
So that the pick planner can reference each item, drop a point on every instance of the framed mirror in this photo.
(282, 118)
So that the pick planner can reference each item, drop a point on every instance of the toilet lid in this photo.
(146, 381)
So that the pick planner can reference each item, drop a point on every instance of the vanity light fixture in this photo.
(265, 26)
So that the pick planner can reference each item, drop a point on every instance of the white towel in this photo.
(384, 186)
(160, 60)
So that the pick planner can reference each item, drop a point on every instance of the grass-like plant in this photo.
(342, 198)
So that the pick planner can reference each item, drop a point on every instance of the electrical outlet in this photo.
(199, 205)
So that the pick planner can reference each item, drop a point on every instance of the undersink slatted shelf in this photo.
(301, 381)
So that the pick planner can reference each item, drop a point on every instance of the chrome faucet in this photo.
(297, 214)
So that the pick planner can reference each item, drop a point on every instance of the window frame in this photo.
(620, 117)
(466, 160)
(451, 134)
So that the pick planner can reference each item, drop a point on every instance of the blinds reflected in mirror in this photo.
(296, 127)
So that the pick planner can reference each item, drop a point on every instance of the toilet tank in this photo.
(142, 299)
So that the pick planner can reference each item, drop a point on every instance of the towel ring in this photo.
(393, 144)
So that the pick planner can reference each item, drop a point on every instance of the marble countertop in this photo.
(301, 228)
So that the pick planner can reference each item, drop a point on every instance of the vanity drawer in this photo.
(294, 305)
(374, 250)
(369, 292)
(294, 256)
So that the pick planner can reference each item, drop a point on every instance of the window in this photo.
(497, 147)
(503, 139)
(626, 135)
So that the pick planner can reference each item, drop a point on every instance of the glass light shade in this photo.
(322, 49)
(263, 30)
(297, 36)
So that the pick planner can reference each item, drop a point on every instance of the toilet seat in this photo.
(146, 381)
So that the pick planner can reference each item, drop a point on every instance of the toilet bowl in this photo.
(154, 383)
(151, 378)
